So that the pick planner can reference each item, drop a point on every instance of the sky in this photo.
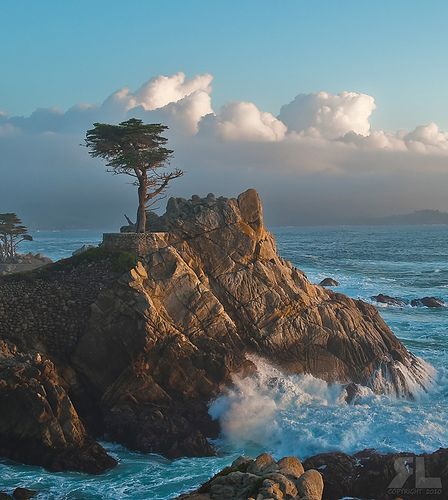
(332, 110)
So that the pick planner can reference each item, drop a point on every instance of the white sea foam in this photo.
(302, 415)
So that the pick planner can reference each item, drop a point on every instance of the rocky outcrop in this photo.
(330, 476)
(369, 474)
(262, 478)
(146, 350)
(38, 423)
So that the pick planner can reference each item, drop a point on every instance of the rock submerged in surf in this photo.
(427, 302)
(431, 302)
(329, 282)
(387, 299)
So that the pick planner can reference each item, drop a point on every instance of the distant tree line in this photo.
(12, 233)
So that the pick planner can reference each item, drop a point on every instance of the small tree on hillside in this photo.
(12, 232)
(136, 149)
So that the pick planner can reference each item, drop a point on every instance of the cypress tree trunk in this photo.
(141, 212)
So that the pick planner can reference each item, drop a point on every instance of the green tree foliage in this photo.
(136, 149)
(12, 232)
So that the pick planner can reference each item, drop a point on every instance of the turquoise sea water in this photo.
(297, 414)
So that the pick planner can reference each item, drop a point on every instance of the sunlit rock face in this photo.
(152, 346)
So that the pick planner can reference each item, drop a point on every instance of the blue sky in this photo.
(373, 142)
(56, 53)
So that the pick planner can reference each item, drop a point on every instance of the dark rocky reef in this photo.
(431, 302)
(388, 300)
(139, 347)
(369, 474)
(331, 476)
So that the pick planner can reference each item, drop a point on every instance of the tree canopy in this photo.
(138, 150)
(12, 232)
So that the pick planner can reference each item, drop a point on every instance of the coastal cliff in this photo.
(145, 331)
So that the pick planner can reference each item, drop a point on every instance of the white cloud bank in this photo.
(329, 115)
(318, 160)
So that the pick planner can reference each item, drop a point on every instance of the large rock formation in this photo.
(330, 476)
(38, 423)
(142, 352)
(262, 478)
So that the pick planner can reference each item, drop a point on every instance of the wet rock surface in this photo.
(387, 299)
(139, 353)
(331, 476)
(329, 282)
(369, 474)
(427, 302)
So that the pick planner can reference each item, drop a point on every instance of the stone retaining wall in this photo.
(53, 308)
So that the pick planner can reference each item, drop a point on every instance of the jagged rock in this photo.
(387, 299)
(38, 423)
(368, 474)
(427, 302)
(329, 282)
(143, 352)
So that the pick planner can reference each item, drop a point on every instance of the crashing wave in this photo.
(303, 415)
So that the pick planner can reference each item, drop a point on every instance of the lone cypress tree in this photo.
(136, 149)
(12, 232)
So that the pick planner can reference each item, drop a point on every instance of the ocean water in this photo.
(298, 415)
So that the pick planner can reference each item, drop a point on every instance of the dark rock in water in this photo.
(38, 423)
(261, 478)
(353, 392)
(369, 474)
(23, 494)
(328, 282)
(5, 496)
(387, 299)
(136, 350)
(427, 302)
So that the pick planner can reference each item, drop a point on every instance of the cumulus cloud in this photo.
(330, 116)
(243, 121)
(318, 161)
(177, 99)
(425, 136)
